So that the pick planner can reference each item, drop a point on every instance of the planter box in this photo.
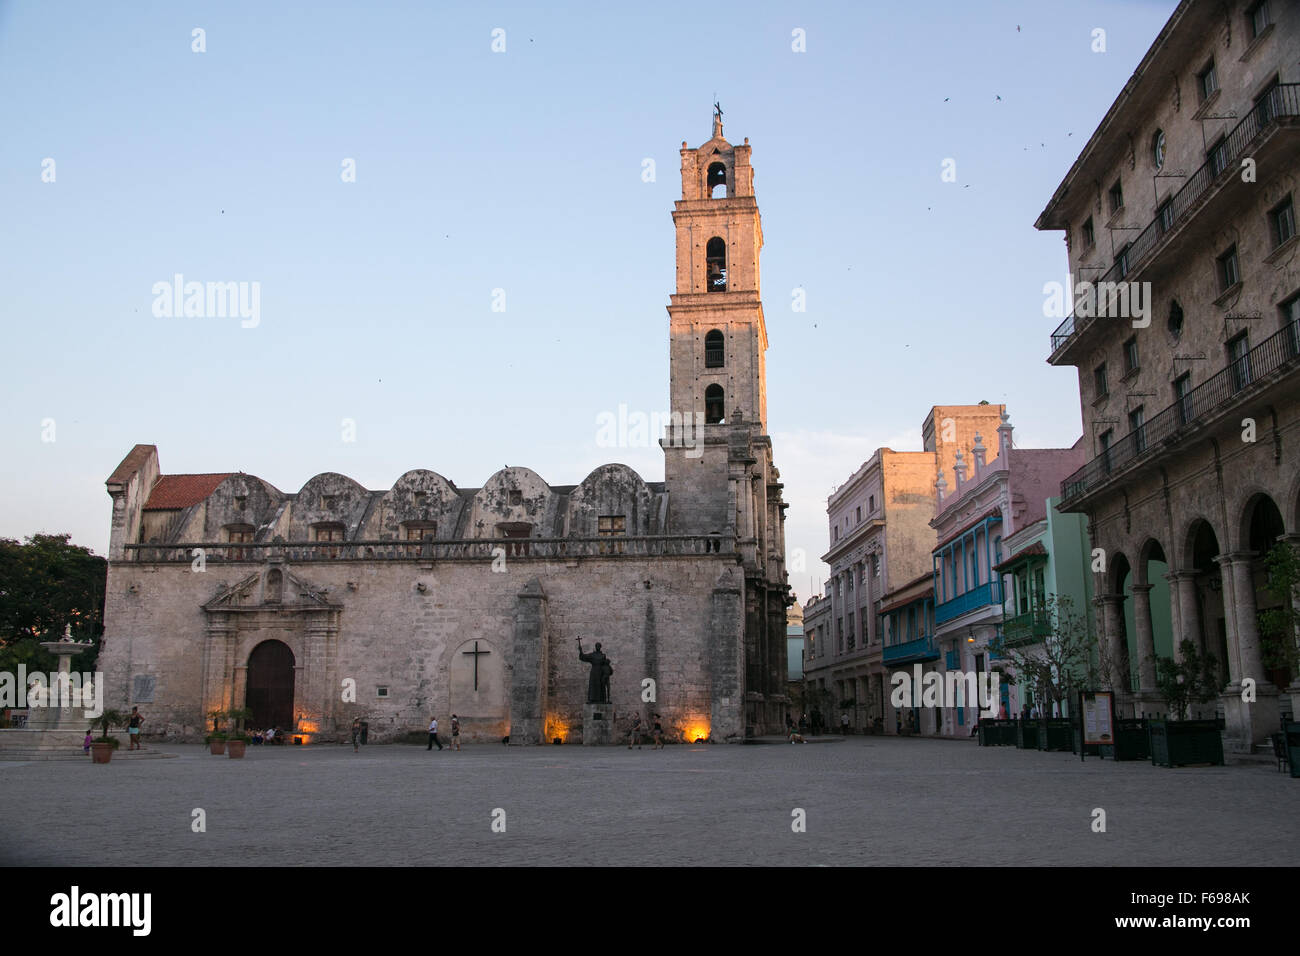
(101, 753)
(1132, 740)
(235, 748)
(997, 733)
(1177, 743)
(1056, 733)
(216, 747)
(1027, 733)
(1291, 733)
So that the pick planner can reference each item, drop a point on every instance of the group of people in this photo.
(634, 732)
(272, 735)
(433, 733)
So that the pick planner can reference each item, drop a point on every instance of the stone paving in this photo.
(868, 801)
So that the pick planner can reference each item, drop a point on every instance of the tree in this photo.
(1277, 626)
(1061, 663)
(47, 583)
(1194, 679)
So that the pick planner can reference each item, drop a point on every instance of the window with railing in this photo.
(1165, 215)
(1182, 386)
(1207, 81)
(1135, 422)
(714, 350)
(328, 531)
(1259, 18)
(1229, 270)
(1131, 362)
(1281, 219)
(1217, 156)
(237, 534)
(1239, 361)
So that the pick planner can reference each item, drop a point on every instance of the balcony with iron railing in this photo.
(988, 593)
(923, 648)
(476, 549)
(1028, 628)
(1274, 358)
(1280, 102)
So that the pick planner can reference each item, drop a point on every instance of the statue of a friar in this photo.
(601, 669)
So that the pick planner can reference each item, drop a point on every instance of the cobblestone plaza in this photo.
(868, 801)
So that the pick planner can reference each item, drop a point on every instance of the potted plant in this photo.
(216, 740)
(102, 747)
(1177, 741)
(237, 740)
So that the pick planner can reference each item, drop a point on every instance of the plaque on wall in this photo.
(142, 692)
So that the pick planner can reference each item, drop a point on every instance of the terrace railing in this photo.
(1281, 100)
(475, 549)
(1277, 353)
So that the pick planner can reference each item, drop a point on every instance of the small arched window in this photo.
(716, 260)
(714, 350)
(717, 181)
(713, 404)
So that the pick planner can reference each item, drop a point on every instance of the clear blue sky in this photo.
(521, 171)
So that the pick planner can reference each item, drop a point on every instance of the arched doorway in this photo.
(1263, 528)
(270, 685)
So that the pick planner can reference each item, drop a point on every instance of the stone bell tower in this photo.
(721, 479)
(716, 330)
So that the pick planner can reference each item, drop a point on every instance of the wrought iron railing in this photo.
(922, 649)
(1276, 353)
(988, 593)
(476, 549)
(1026, 628)
(1282, 100)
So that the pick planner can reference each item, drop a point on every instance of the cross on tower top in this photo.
(717, 119)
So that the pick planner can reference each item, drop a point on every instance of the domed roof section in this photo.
(328, 498)
(612, 492)
(512, 501)
(419, 499)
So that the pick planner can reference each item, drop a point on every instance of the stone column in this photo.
(1146, 645)
(1185, 611)
(528, 667)
(1251, 711)
(1112, 616)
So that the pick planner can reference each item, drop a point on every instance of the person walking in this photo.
(433, 734)
(634, 732)
(133, 729)
(659, 734)
(844, 723)
(356, 734)
(85, 744)
(455, 732)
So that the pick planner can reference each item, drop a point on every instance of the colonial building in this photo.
(987, 501)
(880, 539)
(336, 601)
(1045, 583)
(1182, 206)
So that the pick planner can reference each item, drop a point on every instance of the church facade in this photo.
(336, 602)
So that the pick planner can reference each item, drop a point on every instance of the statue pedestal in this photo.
(597, 725)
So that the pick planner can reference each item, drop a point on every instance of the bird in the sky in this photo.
(998, 98)
(1017, 28)
(946, 98)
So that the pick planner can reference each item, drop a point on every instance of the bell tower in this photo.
(717, 337)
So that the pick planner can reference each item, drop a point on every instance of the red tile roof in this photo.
(181, 491)
(1034, 550)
